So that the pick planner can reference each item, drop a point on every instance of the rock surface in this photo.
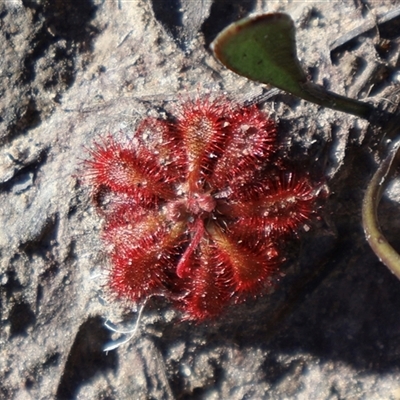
(72, 72)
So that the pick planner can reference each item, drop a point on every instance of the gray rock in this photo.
(71, 74)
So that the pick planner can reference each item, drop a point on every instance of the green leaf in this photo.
(263, 49)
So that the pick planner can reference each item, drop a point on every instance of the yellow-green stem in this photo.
(379, 244)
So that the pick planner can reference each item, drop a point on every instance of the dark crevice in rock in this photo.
(13, 284)
(86, 358)
(22, 169)
(21, 317)
(30, 116)
(45, 240)
(34, 375)
(170, 17)
(67, 19)
(5, 392)
(63, 30)
(223, 13)
(274, 370)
